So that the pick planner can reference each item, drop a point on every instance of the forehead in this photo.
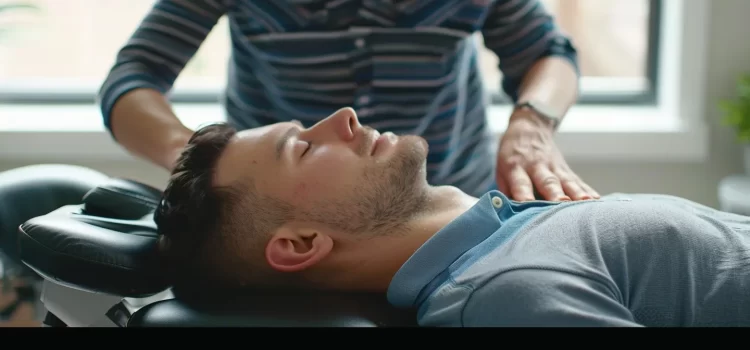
(249, 152)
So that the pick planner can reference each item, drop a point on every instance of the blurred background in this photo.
(61, 53)
(612, 36)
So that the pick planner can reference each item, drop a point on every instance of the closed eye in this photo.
(308, 145)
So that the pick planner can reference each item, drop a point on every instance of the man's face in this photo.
(337, 173)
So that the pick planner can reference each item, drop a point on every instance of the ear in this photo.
(292, 250)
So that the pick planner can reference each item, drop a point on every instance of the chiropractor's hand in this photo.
(528, 158)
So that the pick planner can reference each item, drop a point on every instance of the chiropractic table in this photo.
(90, 240)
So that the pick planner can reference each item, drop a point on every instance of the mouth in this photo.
(375, 140)
(382, 142)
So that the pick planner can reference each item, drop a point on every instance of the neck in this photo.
(369, 265)
(443, 205)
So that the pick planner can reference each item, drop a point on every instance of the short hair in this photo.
(209, 234)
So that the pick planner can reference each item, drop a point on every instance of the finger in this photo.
(502, 184)
(572, 187)
(520, 184)
(548, 183)
(574, 190)
(590, 190)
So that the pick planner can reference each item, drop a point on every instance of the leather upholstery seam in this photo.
(73, 257)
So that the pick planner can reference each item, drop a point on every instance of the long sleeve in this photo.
(545, 298)
(520, 32)
(159, 49)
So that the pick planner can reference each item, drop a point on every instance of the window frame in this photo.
(648, 96)
(668, 126)
(68, 93)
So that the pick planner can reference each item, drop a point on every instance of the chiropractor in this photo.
(406, 66)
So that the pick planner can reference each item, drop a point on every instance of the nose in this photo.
(341, 125)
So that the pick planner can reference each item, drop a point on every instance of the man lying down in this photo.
(339, 206)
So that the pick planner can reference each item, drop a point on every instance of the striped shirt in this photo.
(406, 66)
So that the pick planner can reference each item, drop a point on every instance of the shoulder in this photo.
(531, 286)
(534, 297)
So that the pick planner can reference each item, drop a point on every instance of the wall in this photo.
(727, 59)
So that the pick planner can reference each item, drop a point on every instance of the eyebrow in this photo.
(292, 131)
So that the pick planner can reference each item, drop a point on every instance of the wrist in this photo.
(527, 117)
(544, 114)
(175, 147)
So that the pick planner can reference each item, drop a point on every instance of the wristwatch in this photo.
(542, 110)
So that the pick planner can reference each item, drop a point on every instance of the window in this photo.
(62, 53)
(617, 46)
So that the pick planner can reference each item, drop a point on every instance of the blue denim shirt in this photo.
(638, 260)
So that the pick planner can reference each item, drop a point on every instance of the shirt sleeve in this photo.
(545, 298)
(520, 32)
(156, 53)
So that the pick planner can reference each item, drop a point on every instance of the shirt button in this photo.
(497, 202)
(360, 43)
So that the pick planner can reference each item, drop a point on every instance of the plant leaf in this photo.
(737, 111)
(17, 6)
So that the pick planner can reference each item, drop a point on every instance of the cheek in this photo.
(312, 190)
(301, 192)
(329, 172)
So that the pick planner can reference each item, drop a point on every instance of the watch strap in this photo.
(542, 111)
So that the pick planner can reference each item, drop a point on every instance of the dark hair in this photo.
(213, 235)
(190, 215)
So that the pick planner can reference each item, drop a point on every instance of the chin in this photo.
(417, 143)
(419, 148)
(423, 143)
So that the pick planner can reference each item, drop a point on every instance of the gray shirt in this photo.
(635, 260)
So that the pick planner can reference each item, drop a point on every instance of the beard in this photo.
(389, 194)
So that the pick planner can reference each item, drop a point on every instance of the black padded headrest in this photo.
(108, 244)
(122, 199)
(280, 309)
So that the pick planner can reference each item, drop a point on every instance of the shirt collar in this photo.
(447, 245)
(418, 276)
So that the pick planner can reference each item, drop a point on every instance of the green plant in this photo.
(5, 8)
(15, 6)
(737, 110)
